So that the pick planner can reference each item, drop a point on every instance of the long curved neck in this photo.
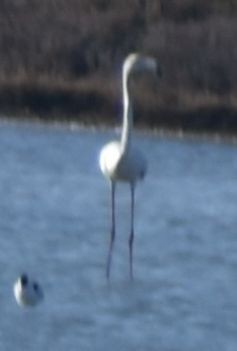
(127, 113)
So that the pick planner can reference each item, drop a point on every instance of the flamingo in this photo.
(120, 160)
(27, 292)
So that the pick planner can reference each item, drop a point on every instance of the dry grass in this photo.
(63, 58)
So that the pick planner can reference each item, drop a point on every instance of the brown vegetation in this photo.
(63, 58)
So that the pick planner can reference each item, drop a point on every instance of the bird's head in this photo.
(136, 63)
(24, 279)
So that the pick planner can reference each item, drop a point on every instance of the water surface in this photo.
(54, 224)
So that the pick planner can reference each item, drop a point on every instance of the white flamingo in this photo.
(120, 160)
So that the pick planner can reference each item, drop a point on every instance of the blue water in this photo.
(54, 225)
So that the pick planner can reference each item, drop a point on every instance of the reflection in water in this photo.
(54, 224)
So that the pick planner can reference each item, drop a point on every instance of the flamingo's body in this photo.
(117, 165)
(120, 160)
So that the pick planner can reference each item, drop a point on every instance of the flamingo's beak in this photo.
(158, 70)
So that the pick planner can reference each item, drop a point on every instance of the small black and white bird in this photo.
(27, 291)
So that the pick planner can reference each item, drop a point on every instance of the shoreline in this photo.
(163, 133)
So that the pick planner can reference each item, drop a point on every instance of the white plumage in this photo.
(121, 160)
(126, 166)
(27, 291)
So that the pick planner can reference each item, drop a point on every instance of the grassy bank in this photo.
(61, 59)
